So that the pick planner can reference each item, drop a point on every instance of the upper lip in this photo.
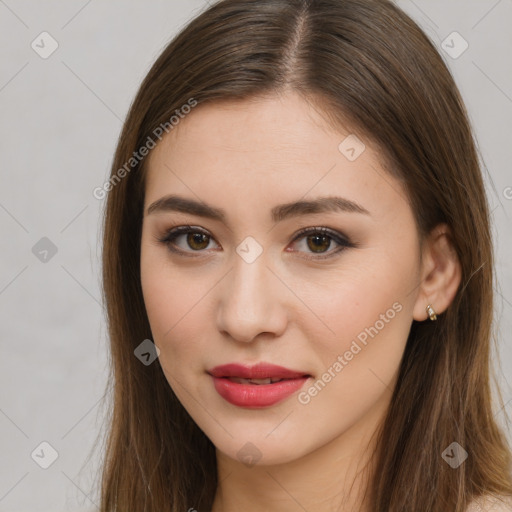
(258, 371)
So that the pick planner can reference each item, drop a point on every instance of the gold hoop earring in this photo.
(431, 313)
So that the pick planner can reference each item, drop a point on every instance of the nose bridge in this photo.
(249, 303)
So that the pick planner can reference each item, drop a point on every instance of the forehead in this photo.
(275, 148)
(285, 126)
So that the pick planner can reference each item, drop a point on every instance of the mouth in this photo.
(257, 386)
(261, 373)
(258, 382)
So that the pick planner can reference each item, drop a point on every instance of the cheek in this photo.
(175, 307)
(371, 318)
(363, 311)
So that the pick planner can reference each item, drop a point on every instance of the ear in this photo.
(440, 273)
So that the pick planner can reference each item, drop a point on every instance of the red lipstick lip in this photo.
(258, 371)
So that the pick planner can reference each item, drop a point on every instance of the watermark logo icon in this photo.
(454, 455)
(44, 250)
(44, 45)
(454, 45)
(147, 352)
(351, 147)
(44, 455)
(249, 454)
(249, 249)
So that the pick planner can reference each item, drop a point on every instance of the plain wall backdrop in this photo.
(61, 114)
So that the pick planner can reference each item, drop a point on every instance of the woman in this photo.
(298, 273)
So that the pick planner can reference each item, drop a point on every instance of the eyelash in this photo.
(173, 233)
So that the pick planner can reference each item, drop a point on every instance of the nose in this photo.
(251, 302)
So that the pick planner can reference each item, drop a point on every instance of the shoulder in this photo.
(491, 504)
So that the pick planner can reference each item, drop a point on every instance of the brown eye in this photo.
(198, 241)
(186, 240)
(318, 243)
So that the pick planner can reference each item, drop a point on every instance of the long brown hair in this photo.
(366, 63)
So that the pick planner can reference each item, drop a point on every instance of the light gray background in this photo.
(60, 119)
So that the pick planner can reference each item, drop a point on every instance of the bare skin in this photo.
(208, 306)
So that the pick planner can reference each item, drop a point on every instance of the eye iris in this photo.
(197, 238)
(319, 242)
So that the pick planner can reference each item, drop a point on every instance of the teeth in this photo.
(254, 381)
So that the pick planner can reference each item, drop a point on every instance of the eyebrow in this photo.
(278, 213)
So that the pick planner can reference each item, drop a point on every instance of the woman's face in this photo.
(325, 290)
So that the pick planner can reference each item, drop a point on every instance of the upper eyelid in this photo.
(186, 228)
(320, 229)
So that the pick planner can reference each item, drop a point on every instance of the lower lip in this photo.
(256, 395)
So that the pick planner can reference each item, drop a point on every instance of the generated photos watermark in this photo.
(305, 397)
(143, 151)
